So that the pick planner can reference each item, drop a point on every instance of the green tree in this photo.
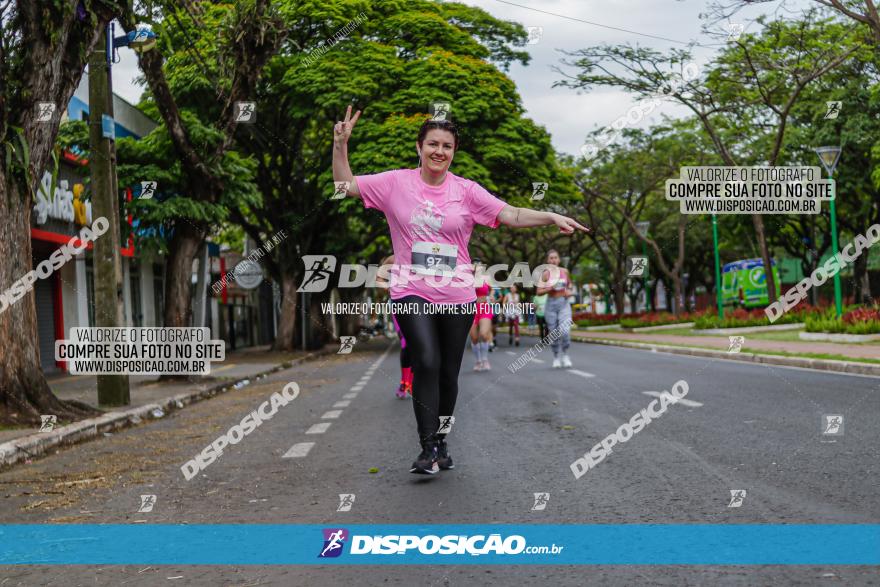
(44, 46)
(856, 130)
(744, 97)
(396, 59)
(864, 12)
(209, 59)
(625, 184)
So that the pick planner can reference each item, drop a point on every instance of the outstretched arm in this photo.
(526, 218)
(341, 169)
(545, 276)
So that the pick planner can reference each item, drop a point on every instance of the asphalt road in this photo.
(743, 427)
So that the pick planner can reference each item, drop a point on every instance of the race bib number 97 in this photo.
(434, 258)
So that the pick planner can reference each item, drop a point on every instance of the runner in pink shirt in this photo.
(431, 214)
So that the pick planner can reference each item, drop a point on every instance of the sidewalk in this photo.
(148, 391)
(860, 351)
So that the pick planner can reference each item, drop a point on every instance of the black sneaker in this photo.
(444, 461)
(426, 463)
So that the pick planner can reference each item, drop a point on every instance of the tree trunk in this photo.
(24, 393)
(284, 340)
(319, 332)
(679, 296)
(178, 273)
(861, 282)
(668, 293)
(633, 295)
(48, 65)
(690, 294)
(618, 287)
(765, 256)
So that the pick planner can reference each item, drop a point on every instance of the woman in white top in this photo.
(557, 312)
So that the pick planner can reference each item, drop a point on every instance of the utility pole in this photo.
(113, 390)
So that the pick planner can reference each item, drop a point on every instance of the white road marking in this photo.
(510, 353)
(319, 428)
(350, 395)
(682, 401)
(539, 360)
(298, 450)
(378, 361)
(581, 373)
(356, 387)
(342, 404)
(331, 415)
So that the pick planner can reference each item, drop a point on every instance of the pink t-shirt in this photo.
(431, 224)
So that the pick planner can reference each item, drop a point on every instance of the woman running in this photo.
(557, 311)
(511, 303)
(481, 329)
(431, 214)
(405, 388)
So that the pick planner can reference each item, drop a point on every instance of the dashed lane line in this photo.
(319, 428)
(298, 450)
(301, 449)
(683, 401)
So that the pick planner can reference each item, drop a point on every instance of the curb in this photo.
(838, 337)
(20, 449)
(674, 326)
(747, 329)
(853, 367)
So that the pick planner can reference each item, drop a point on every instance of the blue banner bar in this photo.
(475, 544)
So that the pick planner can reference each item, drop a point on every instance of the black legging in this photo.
(405, 361)
(435, 345)
(542, 327)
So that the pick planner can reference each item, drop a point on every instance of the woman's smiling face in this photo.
(437, 150)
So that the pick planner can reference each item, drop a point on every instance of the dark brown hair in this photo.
(446, 125)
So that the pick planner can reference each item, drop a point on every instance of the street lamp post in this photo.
(829, 156)
(642, 228)
(718, 297)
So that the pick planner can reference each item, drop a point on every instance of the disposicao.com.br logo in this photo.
(479, 544)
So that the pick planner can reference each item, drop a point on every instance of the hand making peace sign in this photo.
(342, 129)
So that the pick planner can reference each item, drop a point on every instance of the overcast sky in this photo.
(566, 115)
